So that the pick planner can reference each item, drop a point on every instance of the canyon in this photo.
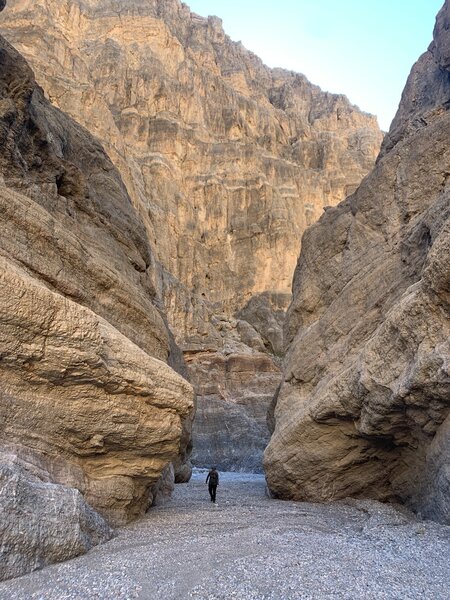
(91, 416)
(160, 187)
(226, 162)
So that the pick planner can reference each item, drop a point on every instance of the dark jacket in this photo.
(213, 477)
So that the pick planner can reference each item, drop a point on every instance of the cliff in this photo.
(226, 163)
(364, 407)
(87, 400)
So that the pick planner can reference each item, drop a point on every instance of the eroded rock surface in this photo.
(226, 162)
(363, 410)
(86, 395)
(42, 523)
(230, 427)
(83, 396)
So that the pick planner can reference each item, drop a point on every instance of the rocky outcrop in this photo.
(226, 163)
(230, 427)
(226, 160)
(363, 410)
(86, 395)
(78, 392)
(42, 523)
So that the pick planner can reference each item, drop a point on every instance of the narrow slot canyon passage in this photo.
(254, 548)
(188, 231)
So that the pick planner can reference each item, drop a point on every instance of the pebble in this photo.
(249, 547)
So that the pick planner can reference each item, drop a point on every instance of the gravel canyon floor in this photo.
(253, 548)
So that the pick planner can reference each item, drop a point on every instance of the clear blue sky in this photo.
(362, 48)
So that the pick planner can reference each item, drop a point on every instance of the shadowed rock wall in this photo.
(363, 409)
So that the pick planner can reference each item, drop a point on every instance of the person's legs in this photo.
(211, 492)
(213, 495)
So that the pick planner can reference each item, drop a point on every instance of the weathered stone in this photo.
(225, 160)
(182, 465)
(433, 492)
(366, 393)
(72, 225)
(165, 486)
(230, 428)
(83, 386)
(42, 523)
(441, 42)
(266, 313)
(106, 417)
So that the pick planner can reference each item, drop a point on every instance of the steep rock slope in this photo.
(86, 399)
(226, 162)
(364, 407)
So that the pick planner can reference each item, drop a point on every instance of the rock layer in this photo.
(77, 391)
(227, 160)
(85, 394)
(363, 410)
(230, 427)
(226, 163)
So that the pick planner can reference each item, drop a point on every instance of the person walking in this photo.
(213, 479)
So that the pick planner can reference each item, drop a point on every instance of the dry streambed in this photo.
(250, 547)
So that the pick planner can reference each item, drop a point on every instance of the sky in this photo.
(362, 48)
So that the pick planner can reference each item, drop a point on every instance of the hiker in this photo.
(213, 478)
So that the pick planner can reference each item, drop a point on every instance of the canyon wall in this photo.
(364, 406)
(226, 163)
(87, 400)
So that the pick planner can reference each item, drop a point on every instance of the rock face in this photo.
(75, 389)
(85, 394)
(363, 409)
(42, 523)
(226, 163)
(231, 419)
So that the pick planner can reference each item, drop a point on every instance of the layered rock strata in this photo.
(105, 415)
(86, 397)
(363, 409)
(234, 392)
(226, 163)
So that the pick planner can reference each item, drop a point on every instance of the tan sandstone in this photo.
(87, 400)
(104, 416)
(363, 410)
(226, 162)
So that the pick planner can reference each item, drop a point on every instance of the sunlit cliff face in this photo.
(226, 163)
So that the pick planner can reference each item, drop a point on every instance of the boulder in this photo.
(104, 415)
(42, 523)
(83, 340)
